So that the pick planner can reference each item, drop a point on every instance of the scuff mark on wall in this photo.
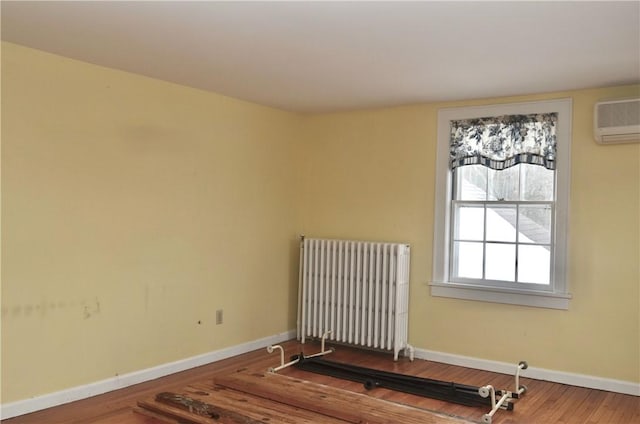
(146, 298)
(46, 307)
(91, 309)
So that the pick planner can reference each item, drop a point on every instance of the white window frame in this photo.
(557, 295)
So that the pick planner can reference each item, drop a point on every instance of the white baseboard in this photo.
(49, 400)
(581, 380)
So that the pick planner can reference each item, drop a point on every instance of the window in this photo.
(502, 191)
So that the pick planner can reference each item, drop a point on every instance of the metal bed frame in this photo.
(461, 394)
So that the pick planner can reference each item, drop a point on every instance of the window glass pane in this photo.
(536, 183)
(533, 264)
(535, 224)
(501, 223)
(504, 184)
(501, 262)
(471, 182)
(467, 260)
(469, 223)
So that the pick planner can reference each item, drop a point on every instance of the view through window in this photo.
(502, 223)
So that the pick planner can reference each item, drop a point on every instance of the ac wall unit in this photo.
(617, 121)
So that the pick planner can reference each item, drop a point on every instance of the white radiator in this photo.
(356, 290)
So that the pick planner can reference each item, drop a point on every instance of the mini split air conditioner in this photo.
(617, 121)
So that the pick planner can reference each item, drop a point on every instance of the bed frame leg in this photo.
(488, 390)
(505, 396)
(283, 365)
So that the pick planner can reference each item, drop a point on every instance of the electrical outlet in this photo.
(219, 317)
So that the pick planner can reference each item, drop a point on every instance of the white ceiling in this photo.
(327, 56)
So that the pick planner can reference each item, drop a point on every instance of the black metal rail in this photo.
(371, 378)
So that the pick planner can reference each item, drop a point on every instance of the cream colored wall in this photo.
(371, 175)
(132, 209)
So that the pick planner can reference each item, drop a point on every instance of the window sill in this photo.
(500, 295)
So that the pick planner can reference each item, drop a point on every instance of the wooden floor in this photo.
(543, 403)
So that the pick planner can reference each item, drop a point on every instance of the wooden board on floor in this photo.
(333, 402)
(240, 408)
(257, 407)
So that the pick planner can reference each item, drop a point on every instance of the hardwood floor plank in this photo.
(153, 417)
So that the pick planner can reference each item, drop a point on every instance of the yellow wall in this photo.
(134, 208)
(371, 175)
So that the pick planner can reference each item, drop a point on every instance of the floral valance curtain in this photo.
(503, 141)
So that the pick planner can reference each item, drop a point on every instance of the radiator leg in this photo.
(408, 351)
(411, 351)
